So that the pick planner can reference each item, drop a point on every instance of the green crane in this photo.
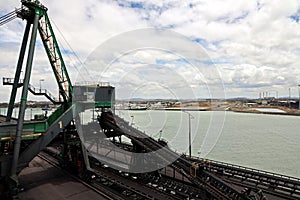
(41, 133)
(37, 20)
(29, 11)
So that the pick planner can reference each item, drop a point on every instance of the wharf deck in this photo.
(43, 181)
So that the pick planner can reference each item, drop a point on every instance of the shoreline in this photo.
(266, 113)
(287, 111)
(251, 111)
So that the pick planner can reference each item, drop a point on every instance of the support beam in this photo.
(18, 72)
(57, 127)
(17, 143)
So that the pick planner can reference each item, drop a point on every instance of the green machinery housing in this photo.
(103, 95)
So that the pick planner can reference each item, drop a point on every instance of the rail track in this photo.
(113, 184)
(103, 191)
(277, 185)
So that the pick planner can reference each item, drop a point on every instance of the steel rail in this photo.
(97, 188)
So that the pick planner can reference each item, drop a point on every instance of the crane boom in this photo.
(29, 8)
(55, 58)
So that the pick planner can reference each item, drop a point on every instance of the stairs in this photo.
(33, 90)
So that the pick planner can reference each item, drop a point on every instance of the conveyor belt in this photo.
(209, 182)
(276, 184)
(216, 177)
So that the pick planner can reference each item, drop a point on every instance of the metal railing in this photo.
(249, 169)
(277, 184)
(40, 91)
(32, 89)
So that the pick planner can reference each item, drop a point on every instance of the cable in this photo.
(73, 52)
(9, 17)
(2, 22)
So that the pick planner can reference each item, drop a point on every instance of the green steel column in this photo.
(17, 143)
(17, 74)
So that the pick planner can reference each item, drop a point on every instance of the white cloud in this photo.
(254, 43)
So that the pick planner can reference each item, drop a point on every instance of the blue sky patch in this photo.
(136, 5)
(187, 61)
(2, 13)
(144, 6)
(204, 43)
(66, 51)
(239, 18)
(295, 18)
(233, 20)
(38, 43)
(201, 41)
(174, 61)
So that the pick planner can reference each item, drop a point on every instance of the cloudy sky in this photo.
(253, 46)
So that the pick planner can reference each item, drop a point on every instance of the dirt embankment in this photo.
(287, 111)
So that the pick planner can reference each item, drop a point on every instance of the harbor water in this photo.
(265, 142)
(29, 113)
(261, 141)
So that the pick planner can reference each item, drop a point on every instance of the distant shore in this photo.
(285, 111)
(188, 108)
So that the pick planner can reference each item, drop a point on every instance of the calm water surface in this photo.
(267, 142)
(29, 114)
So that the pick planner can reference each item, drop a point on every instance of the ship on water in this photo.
(137, 108)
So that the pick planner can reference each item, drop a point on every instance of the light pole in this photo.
(289, 97)
(190, 143)
(41, 84)
(160, 133)
(132, 117)
(299, 95)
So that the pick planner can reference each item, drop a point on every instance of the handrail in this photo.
(248, 169)
(35, 91)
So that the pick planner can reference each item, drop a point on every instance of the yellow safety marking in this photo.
(23, 136)
(60, 124)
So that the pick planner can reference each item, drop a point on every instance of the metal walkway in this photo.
(33, 90)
